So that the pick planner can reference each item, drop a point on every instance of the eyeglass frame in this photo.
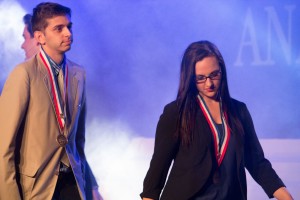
(211, 76)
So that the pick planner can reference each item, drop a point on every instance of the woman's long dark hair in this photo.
(188, 92)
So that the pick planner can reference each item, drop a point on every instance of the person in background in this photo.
(30, 44)
(210, 138)
(42, 115)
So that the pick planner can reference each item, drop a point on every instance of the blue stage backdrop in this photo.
(132, 51)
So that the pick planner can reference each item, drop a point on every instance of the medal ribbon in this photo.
(58, 102)
(220, 150)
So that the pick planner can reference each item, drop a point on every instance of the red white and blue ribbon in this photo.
(220, 150)
(59, 101)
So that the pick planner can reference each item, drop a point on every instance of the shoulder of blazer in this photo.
(76, 70)
(29, 67)
(238, 103)
(172, 106)
(171, 112)
(241, 109)
(34, 65)
(76, 66)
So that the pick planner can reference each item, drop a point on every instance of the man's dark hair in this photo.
(47, 10)
(27, 21)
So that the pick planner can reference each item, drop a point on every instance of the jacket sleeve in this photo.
(258, 166)
(13, 105)
(80, 143)
(165, 149)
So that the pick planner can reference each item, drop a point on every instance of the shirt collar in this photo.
(56, 67)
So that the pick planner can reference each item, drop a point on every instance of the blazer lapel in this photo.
(47, 83)
(74, 101)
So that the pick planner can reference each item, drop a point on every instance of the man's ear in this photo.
(40, 37)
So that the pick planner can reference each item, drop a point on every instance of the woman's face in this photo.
(208, 77)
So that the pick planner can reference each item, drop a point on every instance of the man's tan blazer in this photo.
(29, 153)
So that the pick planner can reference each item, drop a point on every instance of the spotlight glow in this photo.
(118, 161)
(11, 26)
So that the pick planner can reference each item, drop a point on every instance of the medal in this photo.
(62, 140)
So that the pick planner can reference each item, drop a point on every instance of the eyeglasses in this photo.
(216, 75)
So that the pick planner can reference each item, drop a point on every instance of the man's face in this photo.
(57, 36)
(30, 45)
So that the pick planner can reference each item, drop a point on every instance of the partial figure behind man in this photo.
(30, 44)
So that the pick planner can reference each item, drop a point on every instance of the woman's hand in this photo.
(282, 194)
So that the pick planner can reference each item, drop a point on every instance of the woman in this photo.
(210, 137)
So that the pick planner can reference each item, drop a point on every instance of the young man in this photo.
(42, 115)
(30, 45)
